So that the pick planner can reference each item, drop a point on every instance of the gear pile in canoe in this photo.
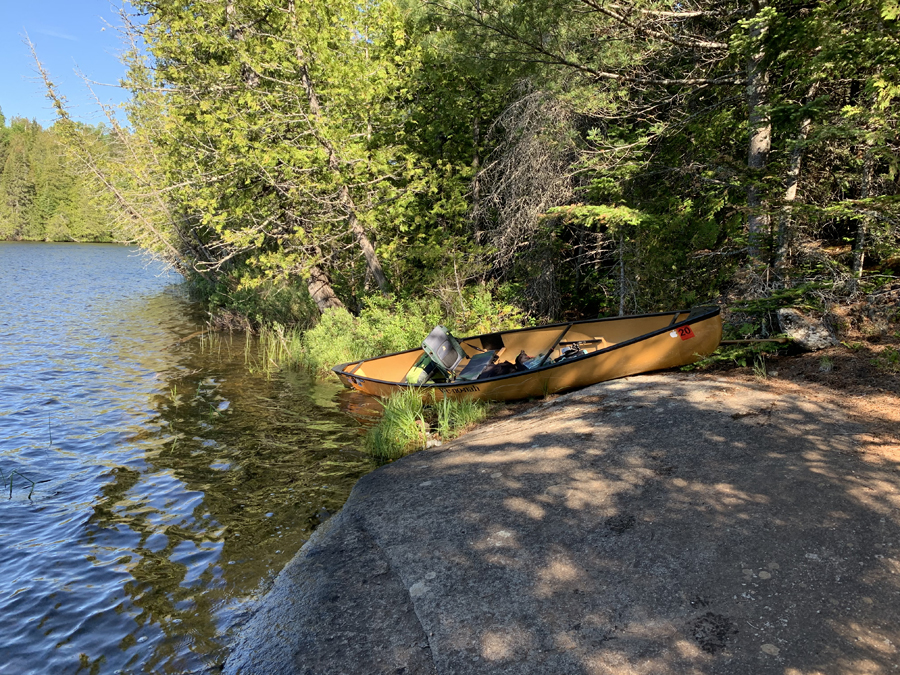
(533, 362)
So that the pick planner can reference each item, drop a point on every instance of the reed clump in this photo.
(408, 423)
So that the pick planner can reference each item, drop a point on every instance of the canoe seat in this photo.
(477, 364)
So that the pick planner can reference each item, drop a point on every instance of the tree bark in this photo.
(476, 164)
(621, 274)
(790, 193)
(373, 265)
(760, 126)
(865, 188)
(320, 289)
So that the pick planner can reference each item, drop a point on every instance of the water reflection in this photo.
(180, 480)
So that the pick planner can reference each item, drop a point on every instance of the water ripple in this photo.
(169, 484)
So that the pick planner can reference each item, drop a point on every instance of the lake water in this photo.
(167, 482)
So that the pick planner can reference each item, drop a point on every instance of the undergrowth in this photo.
(408, 423)
(386, 325)
(260, 305)
(753, 355)
(888, 360)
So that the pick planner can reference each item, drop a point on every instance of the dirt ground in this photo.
(861, 376)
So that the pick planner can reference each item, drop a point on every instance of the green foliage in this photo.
(382, 327)
(750, 355)
(594, 215)
(279, 139)
(803, 296)
(387, 325)
(263, 305)
(888, 360)
(278, 131)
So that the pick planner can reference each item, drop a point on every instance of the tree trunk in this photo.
(790, 192)
(373, 265)
(320, 289)
(476, 164)
(859, 249)
(760, 126)
(621, 274)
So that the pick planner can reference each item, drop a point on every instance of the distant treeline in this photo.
(42, 195)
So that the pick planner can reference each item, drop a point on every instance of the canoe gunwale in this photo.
(341, 369)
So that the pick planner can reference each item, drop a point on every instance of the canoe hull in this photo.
(617, 347)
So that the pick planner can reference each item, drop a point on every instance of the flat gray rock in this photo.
(338, 607)
(811, 334)
(662, 524)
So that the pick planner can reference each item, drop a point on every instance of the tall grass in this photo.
(452, 417)
(279, 347)
(402, 428)
(408, 423)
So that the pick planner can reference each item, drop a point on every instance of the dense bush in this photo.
(386, 325)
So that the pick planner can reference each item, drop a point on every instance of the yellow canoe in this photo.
(577, 354)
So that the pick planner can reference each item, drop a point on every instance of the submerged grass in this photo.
(408, 423)
(12, 475)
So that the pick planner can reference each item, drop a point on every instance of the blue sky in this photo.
(68, 34)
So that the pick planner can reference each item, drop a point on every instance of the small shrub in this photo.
(759, 367)
(888, 360)
(382, 327)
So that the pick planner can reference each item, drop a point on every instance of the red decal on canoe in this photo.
(685, 332)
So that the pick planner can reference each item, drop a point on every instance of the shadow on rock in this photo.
(660, 524)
